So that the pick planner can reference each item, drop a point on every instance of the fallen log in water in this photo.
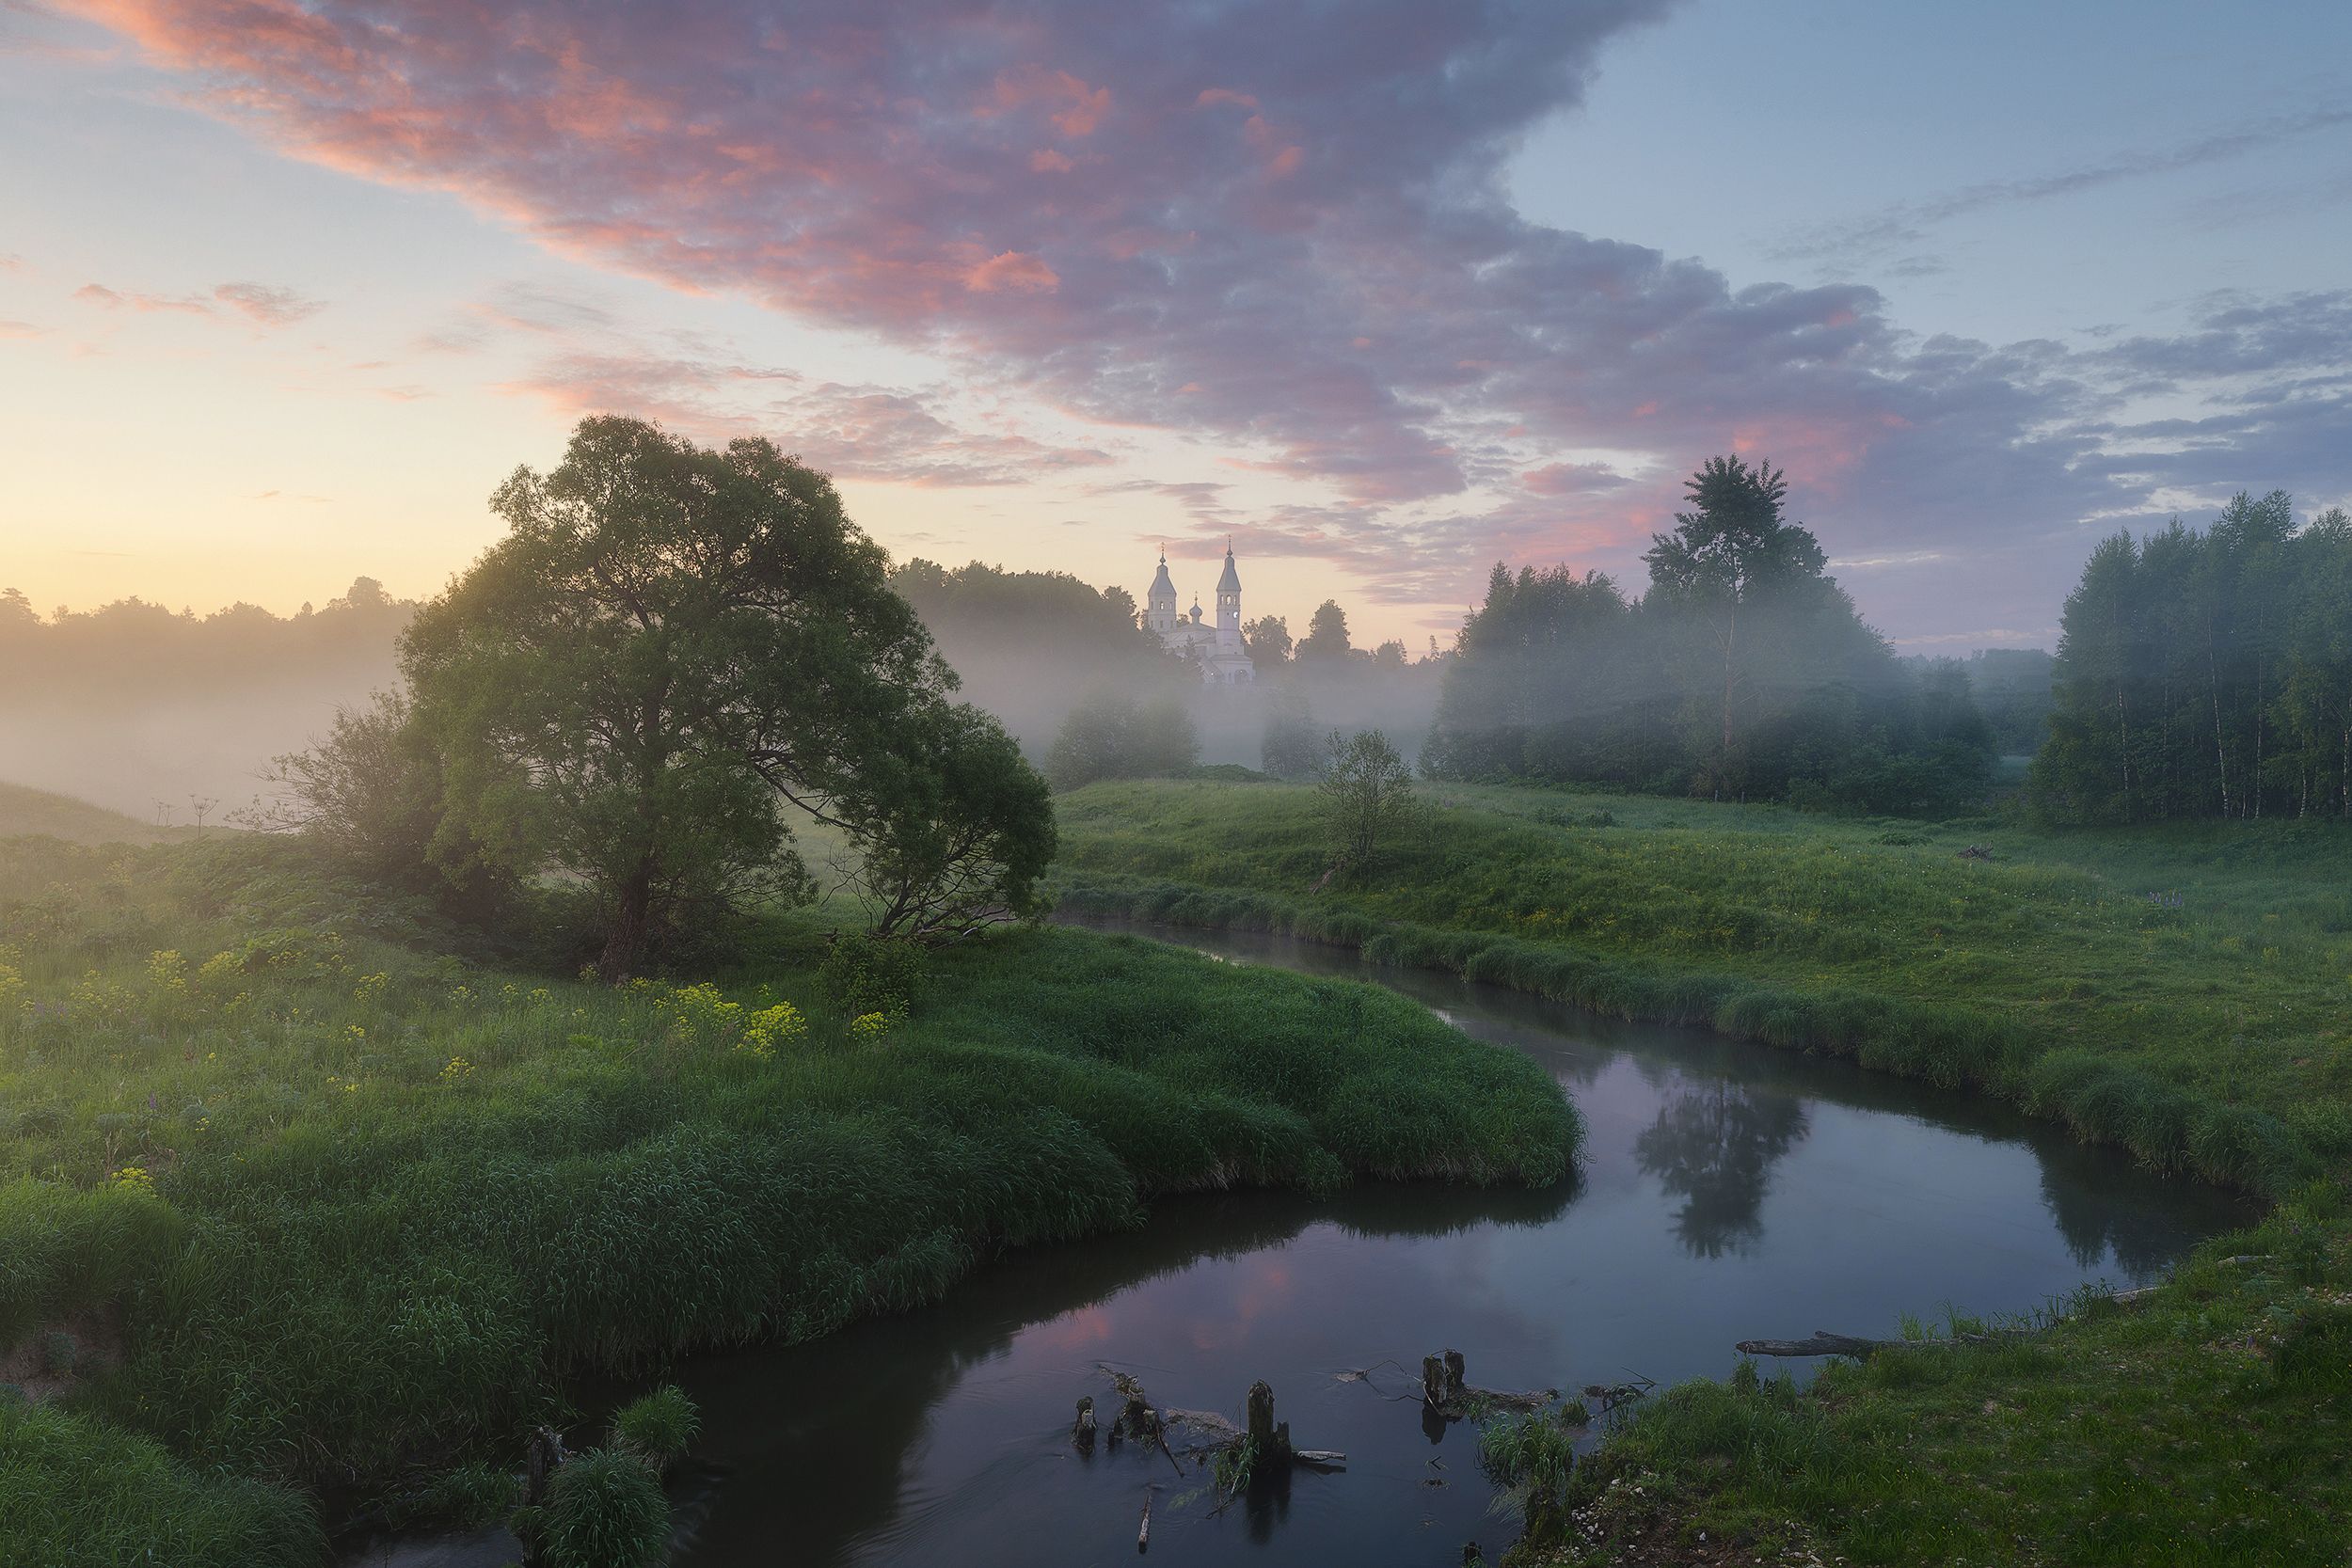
(1143, 1531)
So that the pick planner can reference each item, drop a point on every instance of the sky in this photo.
(1381, 292)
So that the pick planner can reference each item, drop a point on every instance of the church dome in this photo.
(1231, 581)
(1162, 587)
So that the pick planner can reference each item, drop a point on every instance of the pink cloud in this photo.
(98, 293)
(1012, 272)
(1082, 107)
(1571, 479)
(268, 303)
(1046, 161)
(264, 304)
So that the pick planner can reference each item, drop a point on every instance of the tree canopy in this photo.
(1327, 636)
(2207, 673)
(671, 648)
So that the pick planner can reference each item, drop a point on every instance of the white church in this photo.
(1218, 650)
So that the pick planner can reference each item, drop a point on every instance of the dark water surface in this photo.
(1728, 1191)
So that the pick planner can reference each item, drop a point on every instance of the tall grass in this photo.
(76, 1492)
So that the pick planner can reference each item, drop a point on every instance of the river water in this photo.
(1728, 1191)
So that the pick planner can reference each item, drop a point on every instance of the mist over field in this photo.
(149, 711)
(140, 708)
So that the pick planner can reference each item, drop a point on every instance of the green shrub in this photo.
(658, 1426)
(865, 974)
(604, 1510)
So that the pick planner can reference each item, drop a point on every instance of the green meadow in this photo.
(2187, 996)
(306, 1217)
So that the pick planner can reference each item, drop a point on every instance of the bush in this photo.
(604, 1510)
(865, 974)
(658, 1427)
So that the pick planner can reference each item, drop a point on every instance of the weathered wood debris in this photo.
(1210, 1434)
(1611, 1395)
(1444, 1392)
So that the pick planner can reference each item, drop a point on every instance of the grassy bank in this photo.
(309, 1214)
(2207, 1029)
(2205, 1424)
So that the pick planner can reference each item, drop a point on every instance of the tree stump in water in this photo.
(1082, 1430)
(1272, 1437)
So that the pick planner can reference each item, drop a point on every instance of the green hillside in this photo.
(25, 810)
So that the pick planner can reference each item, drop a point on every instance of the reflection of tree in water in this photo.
(2093, 1217)
(1712, 1147)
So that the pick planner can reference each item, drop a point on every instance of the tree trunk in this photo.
(2220, 757)
(625, 943)
(1731, 654)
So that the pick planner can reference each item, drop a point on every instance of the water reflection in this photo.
(868, 1444)
(1714, 1147)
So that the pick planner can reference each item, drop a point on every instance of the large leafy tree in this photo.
(1326, 640)
(672, 650)
(1268, 640)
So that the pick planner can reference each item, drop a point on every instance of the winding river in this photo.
(1728, 1192)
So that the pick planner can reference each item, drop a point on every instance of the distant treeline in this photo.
(1030, 645)
(139, 707)
(1743, 674)
(2207, 673)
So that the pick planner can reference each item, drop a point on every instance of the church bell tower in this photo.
(1228, 604)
